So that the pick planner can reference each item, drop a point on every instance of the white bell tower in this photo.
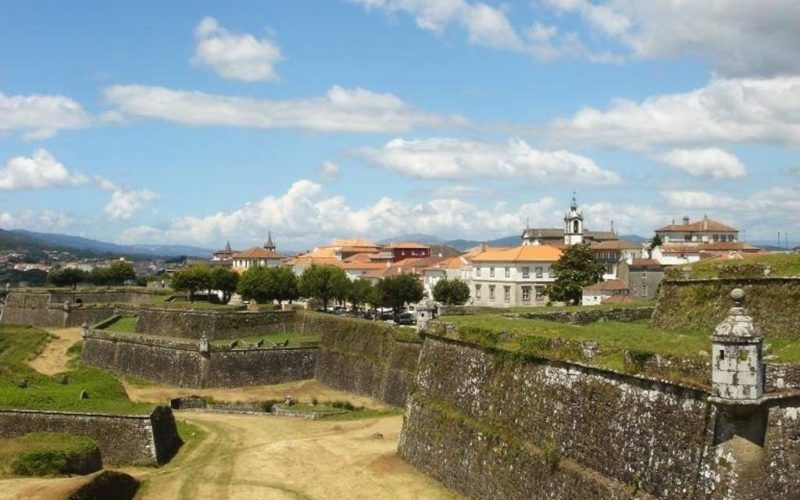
(573, 224)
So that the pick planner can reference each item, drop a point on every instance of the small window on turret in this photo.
(722, 354)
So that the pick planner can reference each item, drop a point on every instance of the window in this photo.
(491, 292)
(636, 288)
(526, 272)
(526, 294)
(491, 272)
(508, 272)
(644, 290)
(539, 272)
(609, 269)
(644, 275)
(477, 291)
(507, 293)
(478, 271)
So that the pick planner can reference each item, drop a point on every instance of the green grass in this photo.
(271, 339)
(196, 305)
(43, 453)
(780, 264)
(362, 414)
(540, 309)
(536, 337)
(125, 324)
(42, 392)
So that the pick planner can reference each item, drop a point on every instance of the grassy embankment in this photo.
(23, 387)
(779, 264)
(43, 453)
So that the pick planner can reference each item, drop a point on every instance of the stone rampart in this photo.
(215, 324)
(123, 439)
(492, 424)
(181, 363)
(700, 304)
(364, 357)
(574, 316)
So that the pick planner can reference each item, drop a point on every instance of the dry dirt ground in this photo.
(53, 358)
(260, 457)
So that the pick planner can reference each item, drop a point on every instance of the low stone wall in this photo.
(364, 357)
(123, 439)
(700, 304)
(781, 376)
(180, 362)
(585, 316)
(216, 324)
(495, 425)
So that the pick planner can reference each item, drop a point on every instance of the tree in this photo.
(451, 292)
(323, 283)
(119, 272)
(283, 283)
(224, 280)
(254, 284)
(654, 243)
(397, 291)
(67, 276)
(191, 279)
(359, 292)
(576, 269)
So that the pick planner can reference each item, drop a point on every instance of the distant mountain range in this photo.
(20, 238)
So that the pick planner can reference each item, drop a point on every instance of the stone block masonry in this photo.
(181, 363)
(123, 439)
(218, 324)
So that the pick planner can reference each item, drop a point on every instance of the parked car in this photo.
(405, 318)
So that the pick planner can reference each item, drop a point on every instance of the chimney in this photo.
(685, 220)
(483, 247)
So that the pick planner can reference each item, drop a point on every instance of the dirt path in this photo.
(281, 457)
(54, 357)
(302, 391)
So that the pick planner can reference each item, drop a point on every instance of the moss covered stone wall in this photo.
(700, 304)
(192, 324)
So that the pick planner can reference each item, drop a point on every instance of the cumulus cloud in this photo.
(39, 171)
(724, 111)
(124, 204)
(40, 116)
(460, 159)
(707, 162)
(737, 38)
(339, 110)
(305, 215)
(235, 56)
(35, 221)
(329, 171)
(697, 199)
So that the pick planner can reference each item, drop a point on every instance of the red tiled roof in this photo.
(615, 245)
(702, 225)
(406, 244)
(258, 253)
(523, 253)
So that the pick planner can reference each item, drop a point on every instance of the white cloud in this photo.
(40, 171)
(707, 162)
(737, 38)
(40, 116)
(125, 203)
(329, 171)
(41, 221)
(724, 111)
(460, 159)
(697, 200)
(339, 110)
(305, 216)
(235, 56)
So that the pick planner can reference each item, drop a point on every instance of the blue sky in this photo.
(197, 122)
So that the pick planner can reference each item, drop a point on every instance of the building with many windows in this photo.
(265, 256)
(513, 277)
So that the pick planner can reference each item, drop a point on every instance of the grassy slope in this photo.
(125, 324)
(780, 264)
(25, 453)
(18, 344)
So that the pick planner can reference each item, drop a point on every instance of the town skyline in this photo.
(198, 123)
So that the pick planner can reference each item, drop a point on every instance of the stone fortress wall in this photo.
(123, 439)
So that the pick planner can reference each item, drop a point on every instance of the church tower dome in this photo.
(573, 224)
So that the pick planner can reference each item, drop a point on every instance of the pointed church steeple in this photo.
(228, 246)
(269, 245)
(573, 223)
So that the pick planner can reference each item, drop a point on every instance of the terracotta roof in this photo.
(362, 265)
(645, 263)
(352, 243)
(615, 245)
(522, 253)
(258, 253)
(406, 244)
(720, 246)
(609, 285)
(451, 263)
(702, 225)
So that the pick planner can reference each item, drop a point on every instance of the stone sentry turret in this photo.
(737, 368)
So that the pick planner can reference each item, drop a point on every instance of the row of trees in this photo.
(200, 277)
(118, 273)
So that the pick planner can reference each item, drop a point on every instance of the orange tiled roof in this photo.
(523, 253)
(702, 225)
(615, 245)
(258, 253)
(352, 243)
(406, 244)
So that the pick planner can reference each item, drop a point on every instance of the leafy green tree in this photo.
(254, 284)
(359, 292)
(576, 269)
(67, 276)
(323, 283)
(283, 283)
(224, 280)
(451, 292)
(397, 291)
(119, 272)
(654, 243)
(192, 279)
